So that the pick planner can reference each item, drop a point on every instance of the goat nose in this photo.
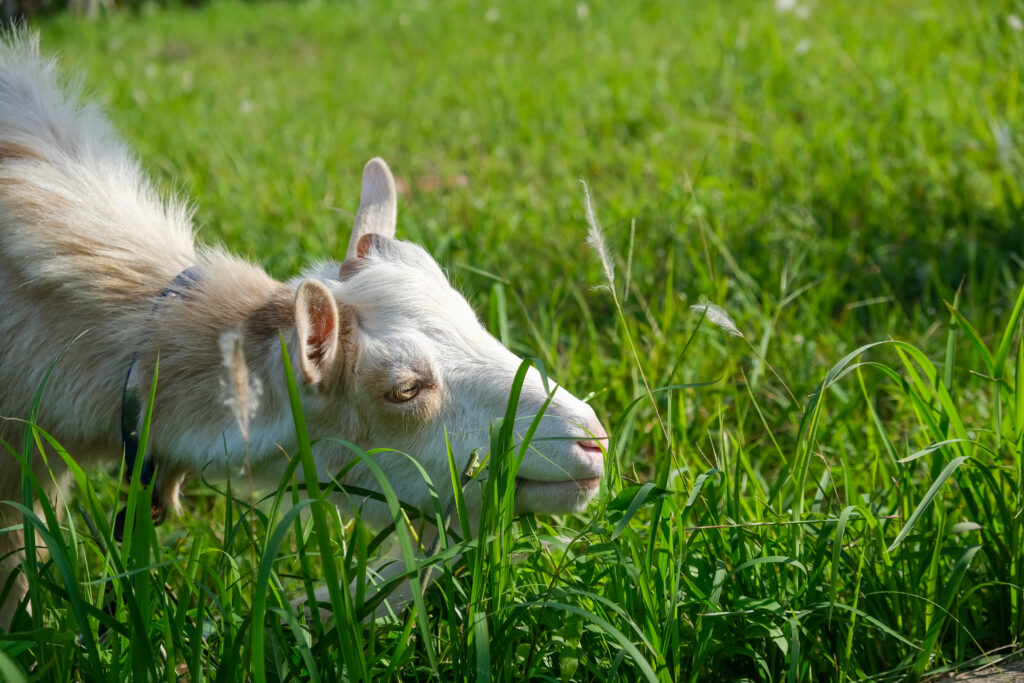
(598, 441)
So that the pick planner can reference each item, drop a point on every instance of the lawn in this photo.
(834, 494)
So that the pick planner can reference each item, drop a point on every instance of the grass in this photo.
(834, 495)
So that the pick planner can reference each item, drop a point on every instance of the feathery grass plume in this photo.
(242, 391)
(718, 316)
(595, 237)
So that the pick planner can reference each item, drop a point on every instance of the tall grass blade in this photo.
(951, 585)
(30, 484)
(10, 671)
(1003, 350)
(926, 501)
(348, 633)
(618, 636)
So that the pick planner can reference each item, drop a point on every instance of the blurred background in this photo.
(830, 173)
(868, 150)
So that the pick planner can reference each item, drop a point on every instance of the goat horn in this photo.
(378, 204)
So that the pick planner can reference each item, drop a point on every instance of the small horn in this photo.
(378, 204)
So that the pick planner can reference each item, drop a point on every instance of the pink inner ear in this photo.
(321, 333)
(317, 320)
(372, 242)
(365, 244)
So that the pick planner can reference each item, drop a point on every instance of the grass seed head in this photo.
(718, 316)
(595, 237)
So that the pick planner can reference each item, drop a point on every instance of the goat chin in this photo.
(555, 497)
(99, 271)
(400, 597)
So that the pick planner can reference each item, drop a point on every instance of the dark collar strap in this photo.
(131, 397)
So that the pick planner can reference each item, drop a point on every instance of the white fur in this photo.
(388, 355)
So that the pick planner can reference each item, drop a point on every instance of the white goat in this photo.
(387, 354)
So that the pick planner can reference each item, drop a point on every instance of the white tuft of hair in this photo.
(242, 389)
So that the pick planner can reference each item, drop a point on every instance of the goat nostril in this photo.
(591, 448)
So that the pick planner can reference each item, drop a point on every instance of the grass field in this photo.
(836, 494)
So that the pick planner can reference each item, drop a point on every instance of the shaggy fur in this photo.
(386, 352)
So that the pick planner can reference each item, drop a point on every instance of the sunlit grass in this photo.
(835, 496)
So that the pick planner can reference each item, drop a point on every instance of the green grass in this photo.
(836, 495)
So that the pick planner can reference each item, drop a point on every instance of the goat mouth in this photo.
(585, 484)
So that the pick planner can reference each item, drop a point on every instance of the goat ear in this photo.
(378, 205)
(317, 322)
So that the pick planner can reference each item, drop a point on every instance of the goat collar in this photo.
(131, 397)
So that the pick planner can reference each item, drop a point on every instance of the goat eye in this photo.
(405, 392)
